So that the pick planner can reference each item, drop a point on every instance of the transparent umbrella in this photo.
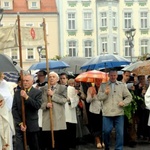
(75, 63)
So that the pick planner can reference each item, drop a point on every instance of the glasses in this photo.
(63, 78)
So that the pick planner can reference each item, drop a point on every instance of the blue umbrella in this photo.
(53, 64)
(105, 61)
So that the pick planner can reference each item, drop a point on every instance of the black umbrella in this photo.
(7, 65)
(75, 63)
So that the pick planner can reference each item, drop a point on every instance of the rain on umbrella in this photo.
(74, 63)
(90, 76)
(7, 64)
(142, 69)
(105, 61)
(53, 64)
(132, 66)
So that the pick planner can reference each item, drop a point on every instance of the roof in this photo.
(21, 6)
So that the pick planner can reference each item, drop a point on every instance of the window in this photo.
(6, 4)
(114, 44)
(127, 49)
(29, 25)
(127, 20)
(72, 48)
(87, 21)
(88, 48)
(104, 44)
(144, 47)
(30, 53)
(71, 21)
(144, 18)
(14, 53)
(103, 19)
(34, 4)
(114, 20)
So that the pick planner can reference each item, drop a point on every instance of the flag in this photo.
(32, 36)
(8, 37)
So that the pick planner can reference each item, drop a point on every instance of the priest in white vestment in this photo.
(6, 126)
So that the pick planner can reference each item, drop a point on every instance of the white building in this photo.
(91, 27)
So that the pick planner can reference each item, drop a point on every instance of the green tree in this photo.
(143, 57)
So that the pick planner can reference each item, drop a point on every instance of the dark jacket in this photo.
(32, 105)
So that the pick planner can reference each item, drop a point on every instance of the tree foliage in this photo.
(130, 110)
(144, 57)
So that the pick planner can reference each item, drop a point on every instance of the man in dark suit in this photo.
(32, 101)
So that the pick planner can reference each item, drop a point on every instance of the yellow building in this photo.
(31, 15)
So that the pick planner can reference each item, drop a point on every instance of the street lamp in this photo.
(1, 14)
(130, 36)
(39, 49)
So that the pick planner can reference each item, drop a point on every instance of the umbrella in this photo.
(11, 77)
(105, 61)
(142, 69)
(132, 66)
(75, 63)
(7, 65)
(53, 64)
(90, 76)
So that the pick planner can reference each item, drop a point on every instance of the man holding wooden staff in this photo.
(32, 101)
(58, 94)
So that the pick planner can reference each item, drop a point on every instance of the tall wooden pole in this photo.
(48, 97)
(21, 75)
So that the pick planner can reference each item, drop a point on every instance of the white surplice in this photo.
(6, 128)
(5, 92)
(147, 102)
(70, 109)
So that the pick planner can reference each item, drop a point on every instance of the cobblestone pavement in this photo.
(139, 146)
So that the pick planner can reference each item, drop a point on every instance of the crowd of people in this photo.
(58, 109)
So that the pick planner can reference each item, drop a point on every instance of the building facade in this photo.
(84, 28)
(93, 27)
(31, 14)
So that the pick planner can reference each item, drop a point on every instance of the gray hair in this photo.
(31, 76)
(53, 72)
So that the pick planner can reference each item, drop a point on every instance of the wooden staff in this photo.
(48, 97)
(21, 75)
